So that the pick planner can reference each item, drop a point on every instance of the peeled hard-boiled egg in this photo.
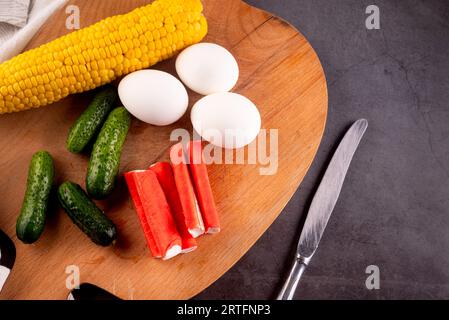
(226, 120)
(207, 68)
(153, 96)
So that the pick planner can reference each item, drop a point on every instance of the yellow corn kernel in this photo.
(16, 87)
(123, 46)
(83, 69)
(28, 83)
(107, 52)
(76, 70)
(22, 84)
(97, 81)
(112, 63)
(59, 83)
(65, 80)
(81, 59)
(86, 55)
(101, 65)
(102, 54)
(72, 80)
(4, 91)
(94, 65)
(170, 28)
(156, 34)
(158, 23)
(129, 44)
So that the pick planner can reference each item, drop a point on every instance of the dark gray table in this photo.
(394, 208)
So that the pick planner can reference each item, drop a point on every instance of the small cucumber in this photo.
(91, 120)
(105, 158)
(31, 221)
(86, 215)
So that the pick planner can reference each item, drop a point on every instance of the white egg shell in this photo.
(226, 120)
(154, 96)
(207, 68)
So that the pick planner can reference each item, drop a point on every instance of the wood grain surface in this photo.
(280, 72)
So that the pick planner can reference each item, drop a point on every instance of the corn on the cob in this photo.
(96, 55)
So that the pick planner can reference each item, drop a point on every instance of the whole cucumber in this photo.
(31, 221)
(86, 215)
(91, 120)
(105, 158)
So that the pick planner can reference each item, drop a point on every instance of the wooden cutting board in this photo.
(280, 72)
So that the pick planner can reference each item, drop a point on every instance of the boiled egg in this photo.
(154, 96)
(207, 68)
(226, 120)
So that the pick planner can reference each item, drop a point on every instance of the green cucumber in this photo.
(86, 215)
(31, 221)
(105, 158)
(91, 120)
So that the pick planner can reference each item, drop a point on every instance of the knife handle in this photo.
(296, 271)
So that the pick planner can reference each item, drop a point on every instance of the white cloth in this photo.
(14, 12)
(19, 22)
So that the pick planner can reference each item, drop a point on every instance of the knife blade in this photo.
(7, 257)
(322, 205)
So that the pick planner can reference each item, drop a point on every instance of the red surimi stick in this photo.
(203, 190)
(154, 213)
(189, 203)
(164, 173)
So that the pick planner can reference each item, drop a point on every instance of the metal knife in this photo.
(7, 257)
(323, 204)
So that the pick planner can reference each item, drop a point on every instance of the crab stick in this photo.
(203, 190)
(164, 173)
(154, 213)
(192, 214)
